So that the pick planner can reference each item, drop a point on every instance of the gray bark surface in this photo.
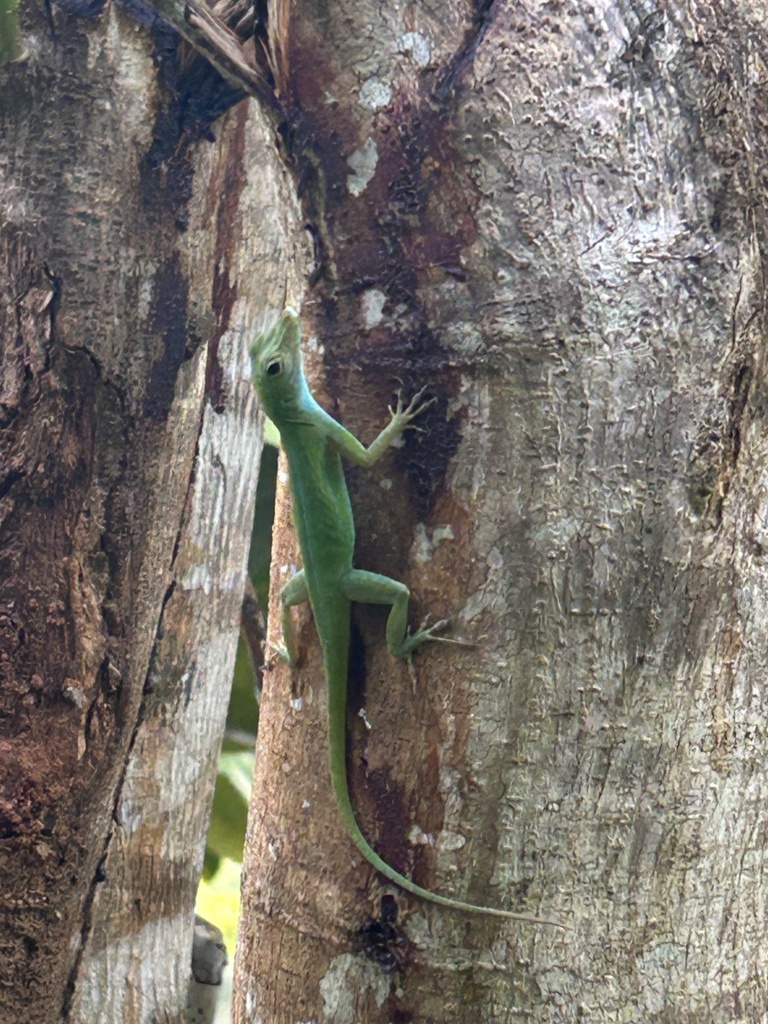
(553, 215)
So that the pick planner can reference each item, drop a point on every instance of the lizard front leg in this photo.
(349, 446)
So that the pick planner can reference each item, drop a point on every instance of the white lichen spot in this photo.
(74, 691)
(364, 717)
(495, 559)
(198, 577)
(424, 543)
(363, 163)
(451, 840)
(421, 549)
(146, 295)
(415, 44)
(345, 982)
(372, 304)
(297, 703)
(374, 94)
(312, 343)
(419, 838)
(385, 484)
(305, 805)
(130, 814)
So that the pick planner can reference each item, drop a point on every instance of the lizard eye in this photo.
(274, 368)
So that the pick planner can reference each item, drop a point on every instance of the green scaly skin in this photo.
(314, 444)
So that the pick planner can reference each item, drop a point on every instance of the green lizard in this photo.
(314, 443)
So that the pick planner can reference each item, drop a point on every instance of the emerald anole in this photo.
(314, 443)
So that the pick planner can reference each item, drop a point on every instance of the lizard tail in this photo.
(337, 746)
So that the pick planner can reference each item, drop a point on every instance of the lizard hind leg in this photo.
(294, 592)
(371, 588)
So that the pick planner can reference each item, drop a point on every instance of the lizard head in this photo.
(276, 366)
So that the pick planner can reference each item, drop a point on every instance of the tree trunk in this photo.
(137, 261)
(553, 216)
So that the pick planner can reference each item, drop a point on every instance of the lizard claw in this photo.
(403, 414)
(413, 640)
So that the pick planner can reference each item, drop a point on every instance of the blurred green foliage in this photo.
(10, 35)
(219, 900)
(229, 814)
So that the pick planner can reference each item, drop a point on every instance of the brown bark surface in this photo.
(555, 216)
(136, 262)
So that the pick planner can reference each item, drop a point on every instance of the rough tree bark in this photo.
(554, 215)
(136, 262)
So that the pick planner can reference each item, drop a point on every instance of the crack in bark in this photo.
(465, 55)
(737, 406)
(85, 931)
(13, 477)
(100, 873)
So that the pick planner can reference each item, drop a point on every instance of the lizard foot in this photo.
(402, 414)
(413, 640)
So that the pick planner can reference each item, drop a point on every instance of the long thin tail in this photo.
(337, 748)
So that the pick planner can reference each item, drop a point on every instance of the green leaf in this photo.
(10, 33)
(229, 814)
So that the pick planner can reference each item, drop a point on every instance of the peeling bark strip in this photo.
(226, 49)
(131, 269)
